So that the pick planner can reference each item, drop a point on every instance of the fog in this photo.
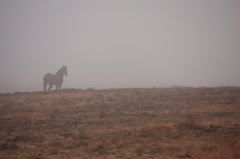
(119, 44)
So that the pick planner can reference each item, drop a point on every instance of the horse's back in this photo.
(48, 77)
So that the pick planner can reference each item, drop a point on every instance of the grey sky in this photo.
(119, 43)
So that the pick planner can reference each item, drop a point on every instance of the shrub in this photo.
(144, 132)
(103, 115)
(189, 125)
(139, 151)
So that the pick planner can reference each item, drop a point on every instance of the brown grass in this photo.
(121, 123)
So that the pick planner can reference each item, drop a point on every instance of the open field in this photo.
(164, 123)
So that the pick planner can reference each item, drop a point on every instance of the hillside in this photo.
(121, 123)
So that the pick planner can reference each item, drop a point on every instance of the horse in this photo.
(56, 79)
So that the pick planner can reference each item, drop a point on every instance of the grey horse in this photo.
(56, 79)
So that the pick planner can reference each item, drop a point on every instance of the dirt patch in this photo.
(121, 123)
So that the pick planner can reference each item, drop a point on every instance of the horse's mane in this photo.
(59, 71)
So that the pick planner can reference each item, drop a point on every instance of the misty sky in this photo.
(119, 43)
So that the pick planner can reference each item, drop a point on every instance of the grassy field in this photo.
(164, 123)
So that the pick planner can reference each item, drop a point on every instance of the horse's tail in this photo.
(44, 84)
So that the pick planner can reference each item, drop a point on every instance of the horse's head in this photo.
(64, 68)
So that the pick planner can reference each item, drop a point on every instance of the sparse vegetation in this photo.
(121, 123)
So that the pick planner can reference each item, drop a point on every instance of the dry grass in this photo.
(121, 123)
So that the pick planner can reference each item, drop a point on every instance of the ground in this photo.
(163, 123)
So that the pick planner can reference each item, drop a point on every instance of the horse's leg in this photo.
(56, 87)
(60, 86)
(50, 87)
(44, 86)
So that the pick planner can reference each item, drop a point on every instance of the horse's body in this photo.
(56, 79)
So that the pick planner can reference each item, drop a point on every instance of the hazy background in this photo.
(119, 43)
